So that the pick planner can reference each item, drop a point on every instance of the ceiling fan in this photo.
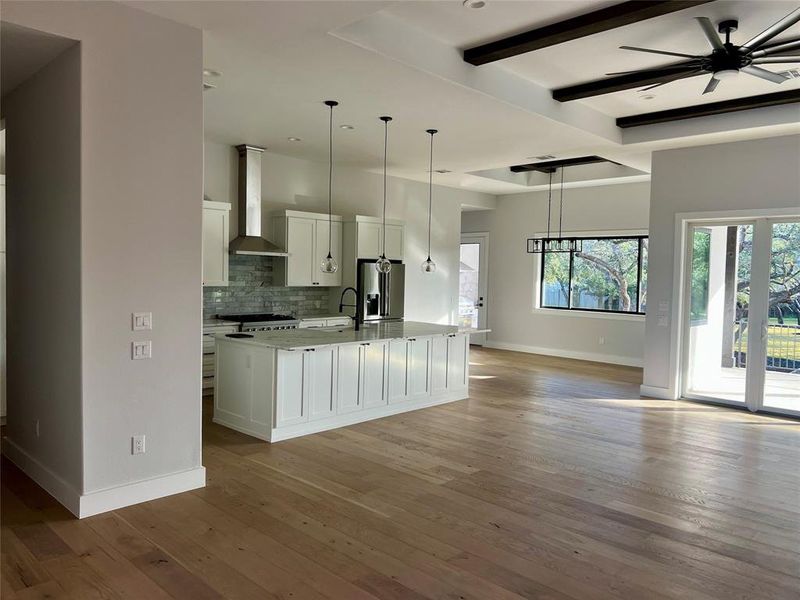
(727, 60)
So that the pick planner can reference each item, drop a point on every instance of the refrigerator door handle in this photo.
(387, 303)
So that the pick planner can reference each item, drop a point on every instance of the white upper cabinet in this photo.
(305, 238)
(216, 216)
(321, 251)
(300, 236)
(369, 238)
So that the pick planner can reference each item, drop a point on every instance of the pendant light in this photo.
(328, 264)
(538, 245)
(429, 266)
(384, 265)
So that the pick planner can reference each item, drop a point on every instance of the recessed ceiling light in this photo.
(648, 97)
(442, 171)
(474, 3)
(348, 127)
(294, 139)
(208, 86)
(542, 157)
(211, 73)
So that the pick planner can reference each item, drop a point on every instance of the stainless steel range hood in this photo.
(250, 240)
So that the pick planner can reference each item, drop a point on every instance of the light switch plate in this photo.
(141, 321)
(141, 350)
(663, 306)
(663, 321)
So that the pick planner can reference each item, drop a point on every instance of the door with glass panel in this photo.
(742, 312)
(472, 274)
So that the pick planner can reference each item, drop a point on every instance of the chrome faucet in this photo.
(357, 306)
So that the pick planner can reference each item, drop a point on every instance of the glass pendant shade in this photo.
(383, 265)
(328, 264)
(428, 266)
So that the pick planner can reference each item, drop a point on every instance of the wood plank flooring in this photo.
(554, 481)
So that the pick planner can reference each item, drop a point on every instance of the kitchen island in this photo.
(276, 385)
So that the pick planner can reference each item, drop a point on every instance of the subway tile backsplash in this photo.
(250, 289)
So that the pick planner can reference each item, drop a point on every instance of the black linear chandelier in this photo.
(559, 243)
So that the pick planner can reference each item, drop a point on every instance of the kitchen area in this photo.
(305, 325)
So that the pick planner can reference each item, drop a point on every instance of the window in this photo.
(607, 275)
(701, 258)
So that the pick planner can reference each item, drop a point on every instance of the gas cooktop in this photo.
(256, 317)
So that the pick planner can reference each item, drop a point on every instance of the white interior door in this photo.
(473, 276)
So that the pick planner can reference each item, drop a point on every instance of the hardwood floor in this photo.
(555, 480)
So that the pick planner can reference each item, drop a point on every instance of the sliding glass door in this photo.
(742, 317)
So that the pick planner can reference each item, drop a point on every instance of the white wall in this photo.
(303, 185)
(44, 268)
(141, 183)
(513, 273)
(757, 177)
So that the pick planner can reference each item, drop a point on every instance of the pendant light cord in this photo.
(330, 181)
(385, 152)
(430, 195)
(561, 204)
(549, 201)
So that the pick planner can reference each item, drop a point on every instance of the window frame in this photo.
(637, 313)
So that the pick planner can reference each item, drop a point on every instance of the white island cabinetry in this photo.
(276, 393)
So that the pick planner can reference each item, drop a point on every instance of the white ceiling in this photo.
(280, 60)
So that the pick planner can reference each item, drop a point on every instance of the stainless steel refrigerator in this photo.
(382, 295)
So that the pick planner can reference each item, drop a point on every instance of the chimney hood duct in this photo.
(249, 240)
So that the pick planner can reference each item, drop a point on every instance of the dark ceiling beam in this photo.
(714, 108)
(551, 165)
(591, 23)
(625, 82)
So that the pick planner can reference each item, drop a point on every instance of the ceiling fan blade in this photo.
(777, 59)
(670, 79)
(711, 33)
(712, 85)
(764, 74)
(773, 30)
(658, 52)
(777, 48)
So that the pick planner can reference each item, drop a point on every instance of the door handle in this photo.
(479, 305)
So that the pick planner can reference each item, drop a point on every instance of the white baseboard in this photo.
(653, 391)
(93, 503)
(54, 485)
(102, 501)
(613, 359)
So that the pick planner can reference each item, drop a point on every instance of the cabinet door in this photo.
(457, 362)
(319, 390)
(438, 364)
(289, 409)
(321, 251)
(215, 247)
(394, 242)
(300, 246)
(348, 378)
(369, 240)
(397, 373)
(418, 368)
(374, 387)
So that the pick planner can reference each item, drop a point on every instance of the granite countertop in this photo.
(301, 339)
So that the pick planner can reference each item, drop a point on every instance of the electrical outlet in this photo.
(37, 428)
(141, 350)
(141, 321)
(601, 340)
(137, 444)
